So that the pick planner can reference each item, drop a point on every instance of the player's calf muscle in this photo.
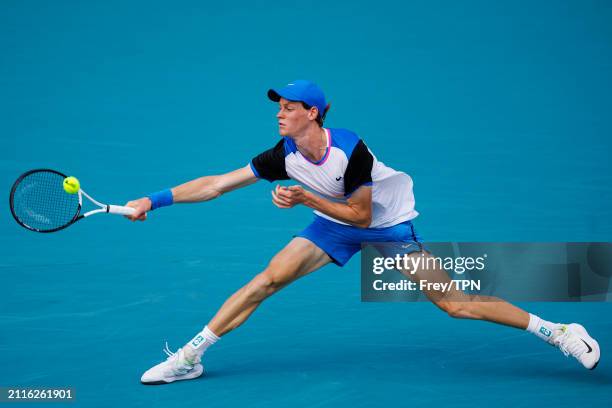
(241, 304)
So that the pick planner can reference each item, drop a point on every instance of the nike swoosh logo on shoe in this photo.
(589, 347)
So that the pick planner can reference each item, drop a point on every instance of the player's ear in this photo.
(313, 112)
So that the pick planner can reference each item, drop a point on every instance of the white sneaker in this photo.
(573, 339)
(175, 368)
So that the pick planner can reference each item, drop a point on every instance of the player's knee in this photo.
(265, 284)
(260, 287)
(456, 310)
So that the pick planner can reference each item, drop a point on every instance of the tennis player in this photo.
(355, 199)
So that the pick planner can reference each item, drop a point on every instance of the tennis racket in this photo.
(40, 203)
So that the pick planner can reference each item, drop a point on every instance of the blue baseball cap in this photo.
(301, 91)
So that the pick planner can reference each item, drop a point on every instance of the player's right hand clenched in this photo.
(142, 205)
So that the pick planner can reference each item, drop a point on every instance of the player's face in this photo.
(293, 119)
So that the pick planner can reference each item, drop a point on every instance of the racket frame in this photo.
(104, 208)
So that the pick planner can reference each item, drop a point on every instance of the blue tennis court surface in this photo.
(500, 113)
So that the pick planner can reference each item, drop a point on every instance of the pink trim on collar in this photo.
(327, 151)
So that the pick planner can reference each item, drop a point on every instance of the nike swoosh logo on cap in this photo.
(589, 347)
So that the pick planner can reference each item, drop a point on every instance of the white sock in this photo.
(199, 344)
(541, 328)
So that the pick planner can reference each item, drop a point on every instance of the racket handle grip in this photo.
(121, 210)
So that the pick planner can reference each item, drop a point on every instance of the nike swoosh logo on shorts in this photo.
(589, 347)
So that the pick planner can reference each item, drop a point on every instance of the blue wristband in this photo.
(160, 199)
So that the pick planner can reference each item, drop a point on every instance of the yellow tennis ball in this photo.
(71, 185)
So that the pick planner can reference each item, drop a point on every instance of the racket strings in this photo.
(40, 202)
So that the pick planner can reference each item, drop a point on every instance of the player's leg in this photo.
(297, 259)
(461, 305)
(571, 339)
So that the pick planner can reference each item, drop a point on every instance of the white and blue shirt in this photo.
(347, 165)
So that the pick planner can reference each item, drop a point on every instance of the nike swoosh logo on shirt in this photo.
(589, 347)
(338, 178)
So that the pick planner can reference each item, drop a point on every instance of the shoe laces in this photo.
(168, 352)
(569, 343)
(180, 365)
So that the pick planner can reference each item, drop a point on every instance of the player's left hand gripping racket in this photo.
(39, 202)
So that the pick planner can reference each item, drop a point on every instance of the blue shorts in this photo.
(341, 241)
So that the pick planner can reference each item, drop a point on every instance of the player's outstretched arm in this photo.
(208, 187)
(201, 189)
